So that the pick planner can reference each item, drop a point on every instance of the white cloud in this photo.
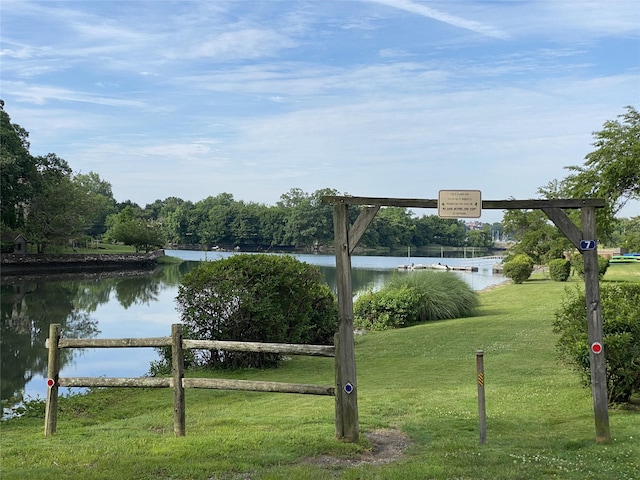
(441, 16)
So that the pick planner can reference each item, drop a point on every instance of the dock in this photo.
(439, 266)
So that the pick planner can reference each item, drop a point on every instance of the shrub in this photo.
(388, 308)
(518, 268)
(577, 263)
(413, 298)
(621, 329)
(255, 298)
(559, 269)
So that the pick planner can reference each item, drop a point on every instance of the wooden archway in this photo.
(347, 237)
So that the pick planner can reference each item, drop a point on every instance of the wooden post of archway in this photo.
(347, 237)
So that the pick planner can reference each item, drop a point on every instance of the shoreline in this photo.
(14, 264)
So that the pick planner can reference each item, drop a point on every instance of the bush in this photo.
(621, 329)
(415, 297)
(388, 308)
(256, 298)
(518, 268)
(577, 263)
(559, 269)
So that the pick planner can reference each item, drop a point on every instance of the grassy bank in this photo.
(418, 383)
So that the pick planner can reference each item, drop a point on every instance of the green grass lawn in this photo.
(420, 381)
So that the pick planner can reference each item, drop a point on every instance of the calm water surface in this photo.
(136, 304)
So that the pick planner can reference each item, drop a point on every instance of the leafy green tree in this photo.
(394, 227)
(611, 171)
(57, 210)
(130, 228)
(626, 234)
(536, 237)
(308, 220)
(99, 202)
(261, 298)
(17, 175)
(177, 225)
(479, 238)
(433, 230)
(272, 222)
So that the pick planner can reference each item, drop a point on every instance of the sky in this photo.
(380, 98)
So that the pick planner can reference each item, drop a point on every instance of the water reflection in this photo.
(125, 304)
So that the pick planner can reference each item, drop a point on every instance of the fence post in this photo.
(53, 373)
(177, 368)
(482, 411)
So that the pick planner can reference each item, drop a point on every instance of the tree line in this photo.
(53, 207)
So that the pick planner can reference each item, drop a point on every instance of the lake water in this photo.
(137, 304)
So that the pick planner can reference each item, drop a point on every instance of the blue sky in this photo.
(389, 98)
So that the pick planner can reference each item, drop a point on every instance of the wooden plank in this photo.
(146, 382)
(360, 226)
(114, 342)
(53, 372)
(380, 201)
(564, 223)
(595, 329)
(346, 382)
(291, 349)
(486, 204)
(256, 386)
(568, 203)
(177, 370)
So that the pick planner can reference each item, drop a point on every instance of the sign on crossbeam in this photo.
(459, 203)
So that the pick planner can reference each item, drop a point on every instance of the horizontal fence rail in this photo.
(210, 383)
(287, 348)
(177, 382)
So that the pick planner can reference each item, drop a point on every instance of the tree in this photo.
(260, 298)
(57, 210)
(308, 220)
(130, 228)
(536, 237)
(626, 234)
(17, 174)
(479, 238)
(393, 227)
(611, 171)
(99, 199)
(434, 230)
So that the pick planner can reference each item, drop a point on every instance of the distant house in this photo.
(20, 245)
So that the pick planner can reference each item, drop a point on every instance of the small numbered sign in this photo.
(587, 244)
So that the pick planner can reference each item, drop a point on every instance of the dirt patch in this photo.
(386, 446)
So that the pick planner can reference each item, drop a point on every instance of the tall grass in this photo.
(443, 295)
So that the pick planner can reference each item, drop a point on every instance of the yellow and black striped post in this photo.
(482, 411)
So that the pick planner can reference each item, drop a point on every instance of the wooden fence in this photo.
(177, 382)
